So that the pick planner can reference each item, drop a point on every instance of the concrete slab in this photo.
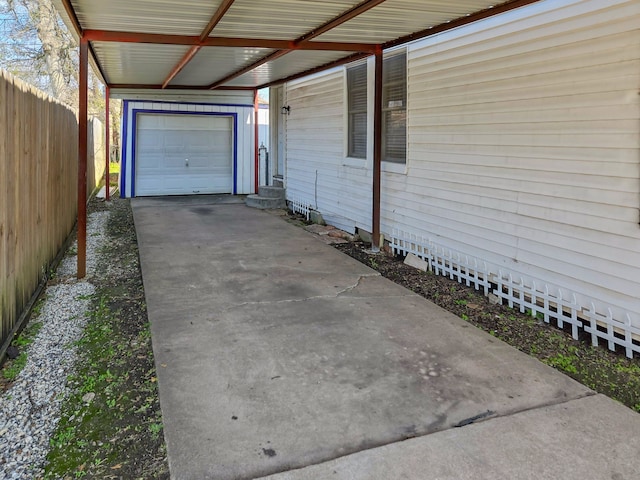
(275, 351)
(588, 438)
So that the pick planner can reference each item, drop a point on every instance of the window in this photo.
(357, 111)
(394, 109)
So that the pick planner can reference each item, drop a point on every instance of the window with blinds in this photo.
(357, 111)
(394, 109)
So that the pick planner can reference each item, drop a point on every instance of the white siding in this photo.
(316, 170)
(523, 147)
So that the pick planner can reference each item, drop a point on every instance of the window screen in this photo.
(357, 108)
(394, 109)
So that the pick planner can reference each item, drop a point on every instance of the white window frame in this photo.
(367, 163)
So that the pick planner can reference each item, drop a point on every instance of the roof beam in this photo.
(272, 56)
(336, 63)
(304, 39)
(153, 86)
(474, 17)
(340, 19)
(215, 19)
(505, 7)
(188, 40)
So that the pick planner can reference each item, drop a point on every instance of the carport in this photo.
(244, 45)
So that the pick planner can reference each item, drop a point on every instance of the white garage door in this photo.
(183, 154)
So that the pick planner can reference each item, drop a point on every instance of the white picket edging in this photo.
(297, 205)
(540, 299)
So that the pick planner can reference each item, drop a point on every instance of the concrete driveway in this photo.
(277, 354)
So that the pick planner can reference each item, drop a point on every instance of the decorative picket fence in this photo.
(540, 299)
(300, 206)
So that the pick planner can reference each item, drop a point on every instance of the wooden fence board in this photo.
(38, 189)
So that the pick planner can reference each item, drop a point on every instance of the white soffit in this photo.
(290, 64)
(145, 64)
(214, 63)
(182, 17)
(278, 19)
(396, 18)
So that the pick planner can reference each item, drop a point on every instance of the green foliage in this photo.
(563, 362)
(12, 370)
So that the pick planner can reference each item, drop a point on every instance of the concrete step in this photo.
(271, 192)
(265, 203)
(278, 182)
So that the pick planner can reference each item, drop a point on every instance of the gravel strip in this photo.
(30, 409)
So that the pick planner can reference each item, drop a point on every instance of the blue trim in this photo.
(123, 160)
(134, 132)
(194, 103)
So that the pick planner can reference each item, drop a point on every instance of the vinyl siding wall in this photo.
(523, 147)
(317, 172)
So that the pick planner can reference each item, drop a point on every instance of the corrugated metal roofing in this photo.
(286, 66)
(251, 43)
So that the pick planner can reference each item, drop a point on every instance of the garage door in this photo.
(183, 154)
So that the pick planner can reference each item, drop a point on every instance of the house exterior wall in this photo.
(317, 172)
(523, 149)
(243, 136)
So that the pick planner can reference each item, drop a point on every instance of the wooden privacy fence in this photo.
(38, 190)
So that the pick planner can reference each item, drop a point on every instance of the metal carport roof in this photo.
(245, 44)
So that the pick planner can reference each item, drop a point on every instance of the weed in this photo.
(155, 429)
(464, 317)
(11, 372)
(563, 362)
(62, 437)
(460, 302)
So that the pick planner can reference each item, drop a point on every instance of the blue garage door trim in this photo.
(135, 113)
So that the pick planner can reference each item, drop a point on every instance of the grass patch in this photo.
(12, 368)
(111, 424)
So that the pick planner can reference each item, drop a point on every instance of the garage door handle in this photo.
(186, 162)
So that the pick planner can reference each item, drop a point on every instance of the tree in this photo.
(36, 46)
(42, 51)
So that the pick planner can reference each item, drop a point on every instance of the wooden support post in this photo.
(82, 159)
(377, 153)
(107, 147)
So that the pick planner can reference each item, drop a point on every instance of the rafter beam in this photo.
(340, 19)
(320, 68)
(190, 40)
(215, 18)
(459, 22)
(248, 68)
(304, 40)
(153, 86)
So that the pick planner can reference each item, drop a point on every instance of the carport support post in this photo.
(82, 159)
(107, 132)
(377, 152)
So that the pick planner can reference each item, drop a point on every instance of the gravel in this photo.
(30, 409)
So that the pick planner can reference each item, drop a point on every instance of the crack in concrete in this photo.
(357, 284)
(317, 297)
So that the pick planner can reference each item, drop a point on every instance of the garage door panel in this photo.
(183, 154)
